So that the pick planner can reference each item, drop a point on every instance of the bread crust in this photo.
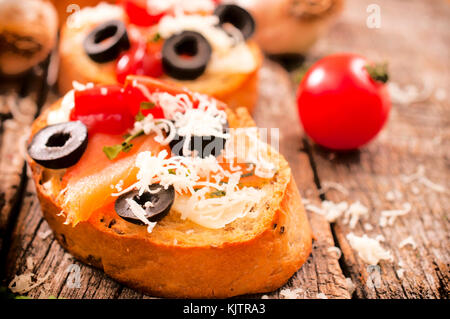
(260, 261)
(236, 90)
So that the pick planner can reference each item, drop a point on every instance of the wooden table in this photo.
(415, 38)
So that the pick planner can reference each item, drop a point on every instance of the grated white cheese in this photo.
(30, 263)
(326, 186)
(400, 273)
(410, 93)
(44, 235)
(245, 146)
(92, 15)
(184, 174)
(350, 285)
(330, 210)
(119, 186)
(208, 26)
(394, 195)
(388, 217)
(369, 250)
(151, 125)
(440, 94)
(204, 120)
(321, 295)
(62, 114)
(25, 282)
(217, 212)
(139, 212)
(354, 213)
(419, 176)
(291, 293)
(408, 241)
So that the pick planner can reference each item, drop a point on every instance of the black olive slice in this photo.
(106, 41)
(237, 16)
(156, 205)
(60, 145)
(204, 145)
(186, 55)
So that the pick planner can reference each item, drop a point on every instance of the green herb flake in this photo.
(113, 151)
(139, 117)
(217, 194)
(147, 105)
(156, 37)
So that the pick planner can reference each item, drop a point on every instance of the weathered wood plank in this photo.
(277, 109)
(417, 135)
(20, 99)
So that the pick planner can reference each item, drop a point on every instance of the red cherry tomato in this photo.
(340, 105)
(141, 59)
(138, 14)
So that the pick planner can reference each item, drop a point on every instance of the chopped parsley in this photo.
(156, 37)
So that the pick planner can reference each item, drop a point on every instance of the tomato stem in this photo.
(378, 71)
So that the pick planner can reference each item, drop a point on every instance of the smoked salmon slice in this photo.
(89, 184)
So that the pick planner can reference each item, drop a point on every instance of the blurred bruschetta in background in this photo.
(28, 30)
(291, 26)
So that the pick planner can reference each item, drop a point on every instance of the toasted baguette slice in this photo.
(180, 258)
(235, 89)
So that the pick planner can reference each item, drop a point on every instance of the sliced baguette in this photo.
(180, 258)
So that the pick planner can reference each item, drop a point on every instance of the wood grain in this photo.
(417, 134)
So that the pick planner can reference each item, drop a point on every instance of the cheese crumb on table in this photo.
(369, 249)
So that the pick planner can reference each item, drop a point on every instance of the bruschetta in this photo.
(196, 44)
(168, 191)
